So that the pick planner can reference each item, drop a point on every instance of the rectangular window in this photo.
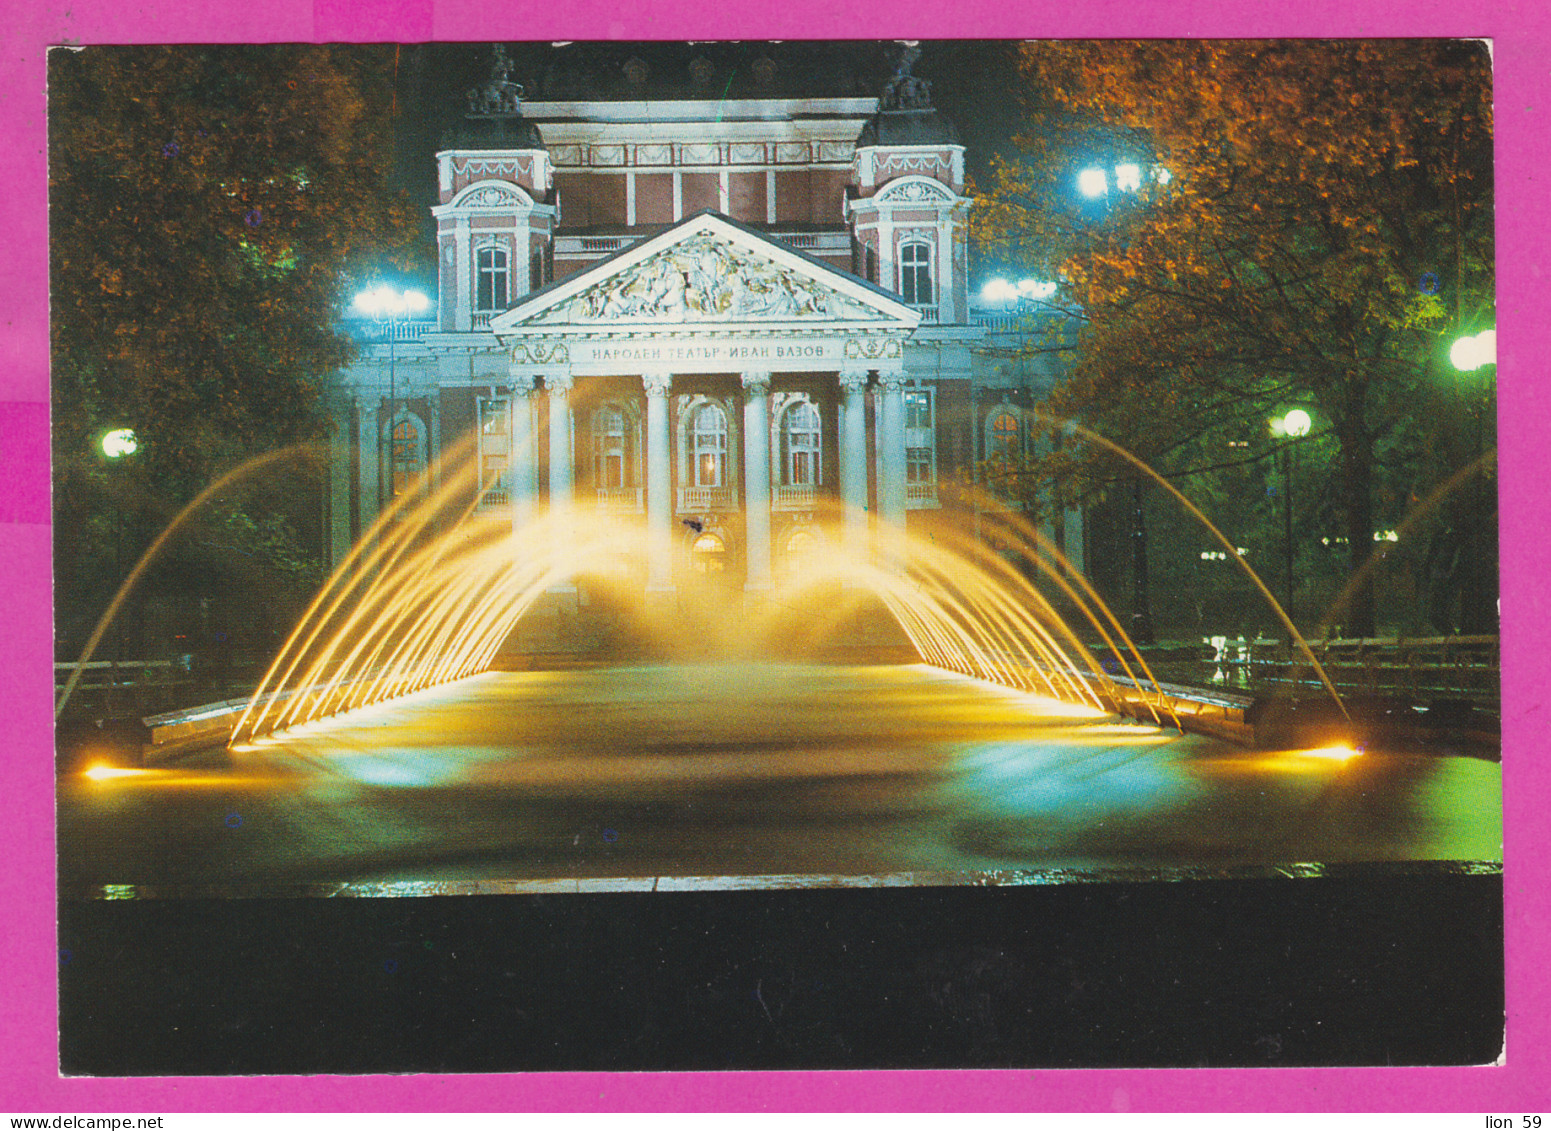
(492, 281)
(920, 447)
(915, 274)
(494, 449)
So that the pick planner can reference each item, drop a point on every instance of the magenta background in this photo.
(29, 1081)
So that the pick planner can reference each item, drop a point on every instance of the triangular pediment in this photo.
(708, 271)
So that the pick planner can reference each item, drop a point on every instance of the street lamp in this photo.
(1295, 424)
(117, 444)
(389, 307)
(1469, 354)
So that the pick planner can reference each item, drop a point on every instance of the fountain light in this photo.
(1093, 183)
(1128, 177)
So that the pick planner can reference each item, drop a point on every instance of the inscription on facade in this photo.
(710, 352)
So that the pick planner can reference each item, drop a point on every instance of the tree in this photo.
(209, 209)
(1298, 223)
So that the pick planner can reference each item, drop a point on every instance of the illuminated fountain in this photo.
(434, 593)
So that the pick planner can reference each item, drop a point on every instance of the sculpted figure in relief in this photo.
(702, 279)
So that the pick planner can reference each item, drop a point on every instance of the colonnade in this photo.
(852, 433)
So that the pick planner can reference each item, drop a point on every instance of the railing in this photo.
(920, 494)
(619, 498)
(929, 314)
(994, 321)
(1459, 667)
(795, 497)
(495, 499)
(801, 241)
(369, 332)
(706, 499)
(482, 319)
(602, 243)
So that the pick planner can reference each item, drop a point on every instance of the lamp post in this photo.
(116, 445)
(1469, 354)
(389, 307)
(1295, 424)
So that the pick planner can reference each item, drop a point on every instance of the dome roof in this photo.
(493, 133)
(494, 119)
(906, 115)
(908, 127)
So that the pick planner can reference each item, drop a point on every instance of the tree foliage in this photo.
(209, 210)
(1307, 224)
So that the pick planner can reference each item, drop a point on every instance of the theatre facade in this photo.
(743, 321)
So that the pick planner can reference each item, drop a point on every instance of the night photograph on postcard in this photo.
(635, 556)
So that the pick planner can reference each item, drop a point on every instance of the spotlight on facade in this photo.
(1128, 178)
(120, 442)
(1093, 183)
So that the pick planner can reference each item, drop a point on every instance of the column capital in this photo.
(756, 384)
(521, 384)
(559, 384)
(891, 382)
(657, 384)
(853, 380)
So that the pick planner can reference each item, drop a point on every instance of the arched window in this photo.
(1003, 436)
(610, 446)
(800, 548)
(708, 446)
(800, 439)
(406, 456)
(708, 554)
(493, 278)
(915, 274)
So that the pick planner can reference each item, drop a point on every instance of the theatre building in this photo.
(738, 319)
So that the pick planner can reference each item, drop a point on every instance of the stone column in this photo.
(659, 486)
(522, 476)
(756, 479)
(853, 456)
(561, 473)
(891, 449)
(462, 265)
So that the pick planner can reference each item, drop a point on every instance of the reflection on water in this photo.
(695, 773)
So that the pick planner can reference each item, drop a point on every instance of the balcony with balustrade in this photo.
(694, 500)
(619, 500)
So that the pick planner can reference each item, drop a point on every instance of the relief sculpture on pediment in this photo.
(707, 279)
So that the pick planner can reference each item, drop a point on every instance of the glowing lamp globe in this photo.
(1297, 423)
(1092, 182)
(119, 442)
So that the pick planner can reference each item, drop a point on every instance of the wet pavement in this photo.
(666, 775)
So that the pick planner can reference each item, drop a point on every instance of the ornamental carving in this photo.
(490, 197)
(540, 353)
(914, 163)
(472, 167)
(915, 190)
(871, 349)
(704, 279)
